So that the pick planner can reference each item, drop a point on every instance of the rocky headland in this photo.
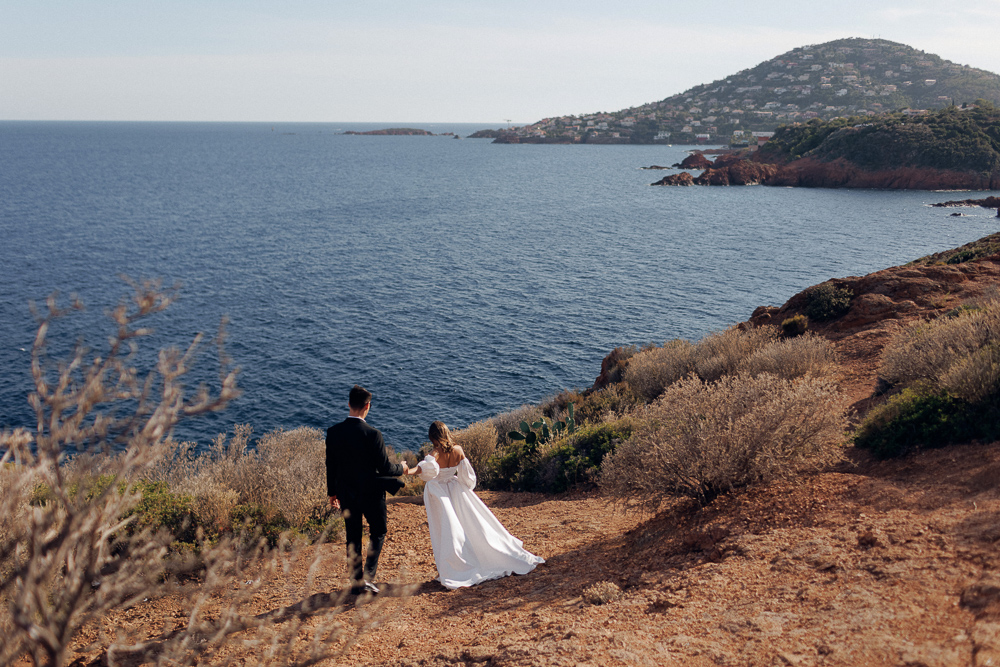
(953, 149)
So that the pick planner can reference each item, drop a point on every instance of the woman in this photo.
(470, 544)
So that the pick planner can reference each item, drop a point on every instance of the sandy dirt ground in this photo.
(872, 564)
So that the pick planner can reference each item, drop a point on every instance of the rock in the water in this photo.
(682, 178)
(694, 161)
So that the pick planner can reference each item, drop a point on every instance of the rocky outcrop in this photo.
(989, 202)
(737, 172)
(809, 172)
(485, 134)
(812, 173)
(694, 161)
(682, 178)
(896, 294)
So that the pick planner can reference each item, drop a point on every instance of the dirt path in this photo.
(877, 563)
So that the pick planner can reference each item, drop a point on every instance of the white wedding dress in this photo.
(470, 544)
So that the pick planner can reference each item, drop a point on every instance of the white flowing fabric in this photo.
(470, 544)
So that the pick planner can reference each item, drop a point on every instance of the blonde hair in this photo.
(441, 436)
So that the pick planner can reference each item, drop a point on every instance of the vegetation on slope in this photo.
(954, 138)
(946, 380)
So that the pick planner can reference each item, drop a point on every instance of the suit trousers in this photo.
(374, 511)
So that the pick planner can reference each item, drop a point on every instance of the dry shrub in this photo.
(71, 549)
(728, 352)
(722, 353)
(654, 369)
(479, 441)
(284, 474)
(927, 350)
(701, 439)
(792, 357)
(556, 407)
(602, 592)
(975, 377)
(608, 404)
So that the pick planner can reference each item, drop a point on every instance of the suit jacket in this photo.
(355, 459)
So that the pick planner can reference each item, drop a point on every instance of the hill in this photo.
(847, 77)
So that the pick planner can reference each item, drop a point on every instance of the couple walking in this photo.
(470, 545)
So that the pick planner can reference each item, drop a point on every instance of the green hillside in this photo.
(847, 77)
(954, 138)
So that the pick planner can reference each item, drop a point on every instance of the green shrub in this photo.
(253, 519)
(794, 326)
(514, 467)
(159, 508)
(577, 459)
(916, 418)
(826, 302)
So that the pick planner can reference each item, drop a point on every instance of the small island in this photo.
(399, 132)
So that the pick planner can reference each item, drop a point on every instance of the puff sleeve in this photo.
(429, 468)
(466, 475)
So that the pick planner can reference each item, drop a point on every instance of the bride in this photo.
(470, 544)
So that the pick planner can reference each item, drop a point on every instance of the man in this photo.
(355, 460)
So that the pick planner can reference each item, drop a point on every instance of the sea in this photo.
(454, 278)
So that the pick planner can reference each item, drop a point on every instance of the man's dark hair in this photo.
(359, 398)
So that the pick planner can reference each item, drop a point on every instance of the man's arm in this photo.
(383, 466)
(331, 470)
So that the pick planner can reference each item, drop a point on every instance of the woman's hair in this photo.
(441, 437)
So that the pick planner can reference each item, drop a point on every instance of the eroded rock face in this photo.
(682, 178)
(812, 173)
(737, 172)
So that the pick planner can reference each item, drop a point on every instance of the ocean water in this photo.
(454, 278)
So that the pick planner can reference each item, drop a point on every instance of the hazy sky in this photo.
(438, 60)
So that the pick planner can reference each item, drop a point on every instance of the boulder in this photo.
(694, 161)
(682, 178)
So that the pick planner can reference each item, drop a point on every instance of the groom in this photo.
(358, 473)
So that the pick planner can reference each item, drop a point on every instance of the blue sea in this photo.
(454, 278)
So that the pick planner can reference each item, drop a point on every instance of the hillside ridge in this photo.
(845, 77)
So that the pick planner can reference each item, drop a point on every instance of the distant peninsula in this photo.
(843, 78)
(401, 132)
(956, 148)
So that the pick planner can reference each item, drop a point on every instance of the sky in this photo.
(424, 61)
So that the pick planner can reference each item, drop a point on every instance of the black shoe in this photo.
(368, 587)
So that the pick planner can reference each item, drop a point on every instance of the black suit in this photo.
(355, 458)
